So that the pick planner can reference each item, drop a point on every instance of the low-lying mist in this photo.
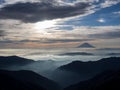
(45, 68)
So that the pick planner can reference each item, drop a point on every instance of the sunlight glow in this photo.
(101, 20)
(45, 24)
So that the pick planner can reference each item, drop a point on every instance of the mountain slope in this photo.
(109, 80)
(93, 67)
(79, 71)
(25, 80)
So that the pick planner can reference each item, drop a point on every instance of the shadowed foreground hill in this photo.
(25, 80)
(79, 71)
(109, 80)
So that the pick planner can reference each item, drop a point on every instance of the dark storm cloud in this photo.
(33, 12)
(106, 35)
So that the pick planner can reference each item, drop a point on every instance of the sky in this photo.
(59, 23)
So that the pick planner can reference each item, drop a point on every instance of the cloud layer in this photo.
(107, 35)
(37, 10)
(18, 20)
(34, 12)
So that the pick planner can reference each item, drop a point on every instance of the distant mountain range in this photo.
(18, 63)
(92, 66)
(25, 80)
(109, 80)
(86, 45)
(65, 75)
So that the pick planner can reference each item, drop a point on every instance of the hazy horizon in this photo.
(61, 54)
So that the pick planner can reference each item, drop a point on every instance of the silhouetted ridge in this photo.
(13, 60)
(80, 71)
(93, 66)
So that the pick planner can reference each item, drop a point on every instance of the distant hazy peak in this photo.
(86, 45)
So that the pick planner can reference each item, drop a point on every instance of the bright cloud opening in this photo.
(45, 24)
